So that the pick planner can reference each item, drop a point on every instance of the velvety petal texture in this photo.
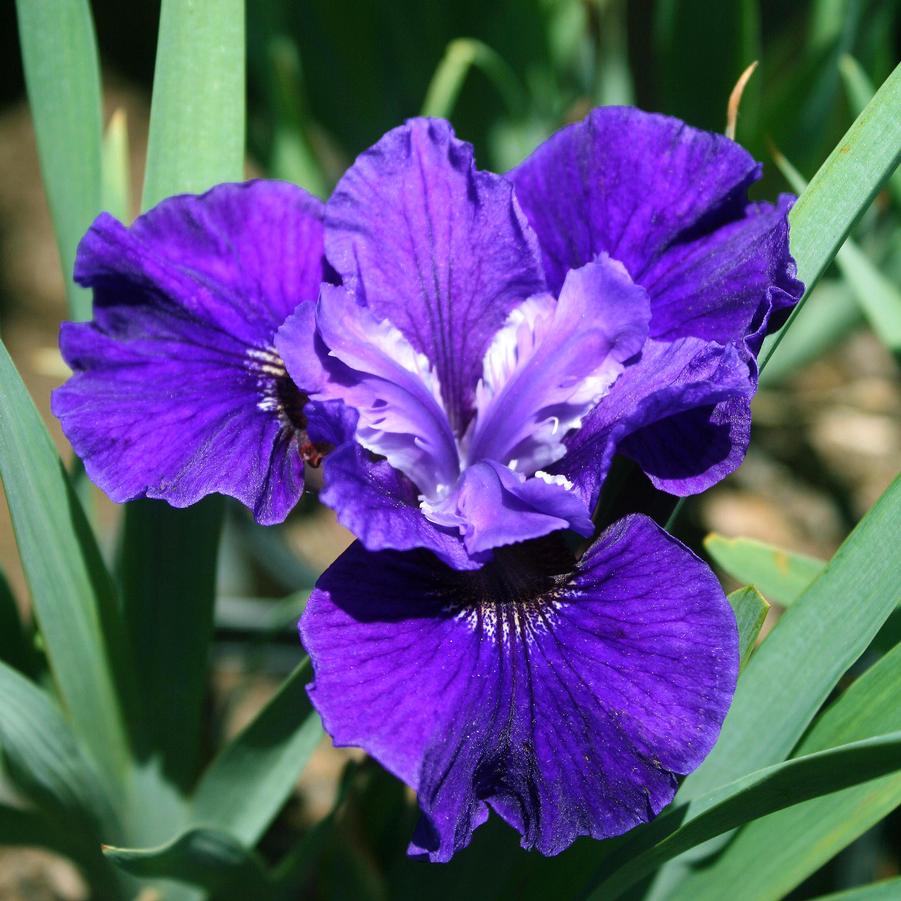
(178, 391)
(682, 413)
(566, 697)
(551, 363)
(671, 204)
(435, 246)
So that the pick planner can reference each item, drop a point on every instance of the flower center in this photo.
(279, 395)
(516, 594)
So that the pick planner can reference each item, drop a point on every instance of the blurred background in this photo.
(325, 79)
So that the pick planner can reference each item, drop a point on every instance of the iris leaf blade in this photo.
(750, 610)
(168, 556)
(816, 641)
(202, 858)
(44, 759)
(59, 53)
(246, 785)
(773, 855)
(843, 188)
(770, 789)
(780, 575)
(71, 591)
(197, 111)
(887, 890)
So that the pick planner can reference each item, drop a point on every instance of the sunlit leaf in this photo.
(773, 855)
(750, 610)
(779, 574)
(686, 825)
(60, 56)
(70, 589)
(844, 187)
(246, 785)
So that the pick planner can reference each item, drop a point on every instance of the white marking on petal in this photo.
(560, 480)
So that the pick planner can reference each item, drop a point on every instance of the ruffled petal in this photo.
(177, 389)
(380, 506)
(682, 412)
(371, 366)
(552, 362)
(436, 246)
(567, 699)
(670, 202)
(493, 506)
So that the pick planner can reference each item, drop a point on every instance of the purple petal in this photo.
(568, 700)
(372, 367)
(669, 202)
(682, 412)
(494, 506)
(177, 390)
(552, 362)
(435, 246)
(381, 507)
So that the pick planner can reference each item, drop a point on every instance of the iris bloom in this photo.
(482, 347)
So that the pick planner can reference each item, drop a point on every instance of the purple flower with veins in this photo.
(481, 349)
(178, 390)
(494, 377)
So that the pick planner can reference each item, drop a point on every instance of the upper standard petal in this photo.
(434, 245)
(552, 362)
(670, 202)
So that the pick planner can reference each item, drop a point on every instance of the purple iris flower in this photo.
(481, 349)
(494, 378)
(178, 391)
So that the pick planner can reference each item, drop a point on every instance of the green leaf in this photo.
(817, 639)
(843, 188)
(59, 53)
(773, 855)
(780, 575)
(45, 761)
(860, 91)
(887, 890)
(71, 591)
(203, 858)
(750, 609)
(197, 113)
(878, 297)
(168, 557)
(447, 82)
(167, 571)
(246, 785)
(826, 320)
(686, 825)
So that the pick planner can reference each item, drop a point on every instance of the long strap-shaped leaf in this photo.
(773, 855)
(818, 638)
(60, 56)
(70, 589)
(248, 782)
(843, 188)
(169, 556)
(773, 788)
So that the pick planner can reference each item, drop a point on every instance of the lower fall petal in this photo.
(177, 390)
(567, 697)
